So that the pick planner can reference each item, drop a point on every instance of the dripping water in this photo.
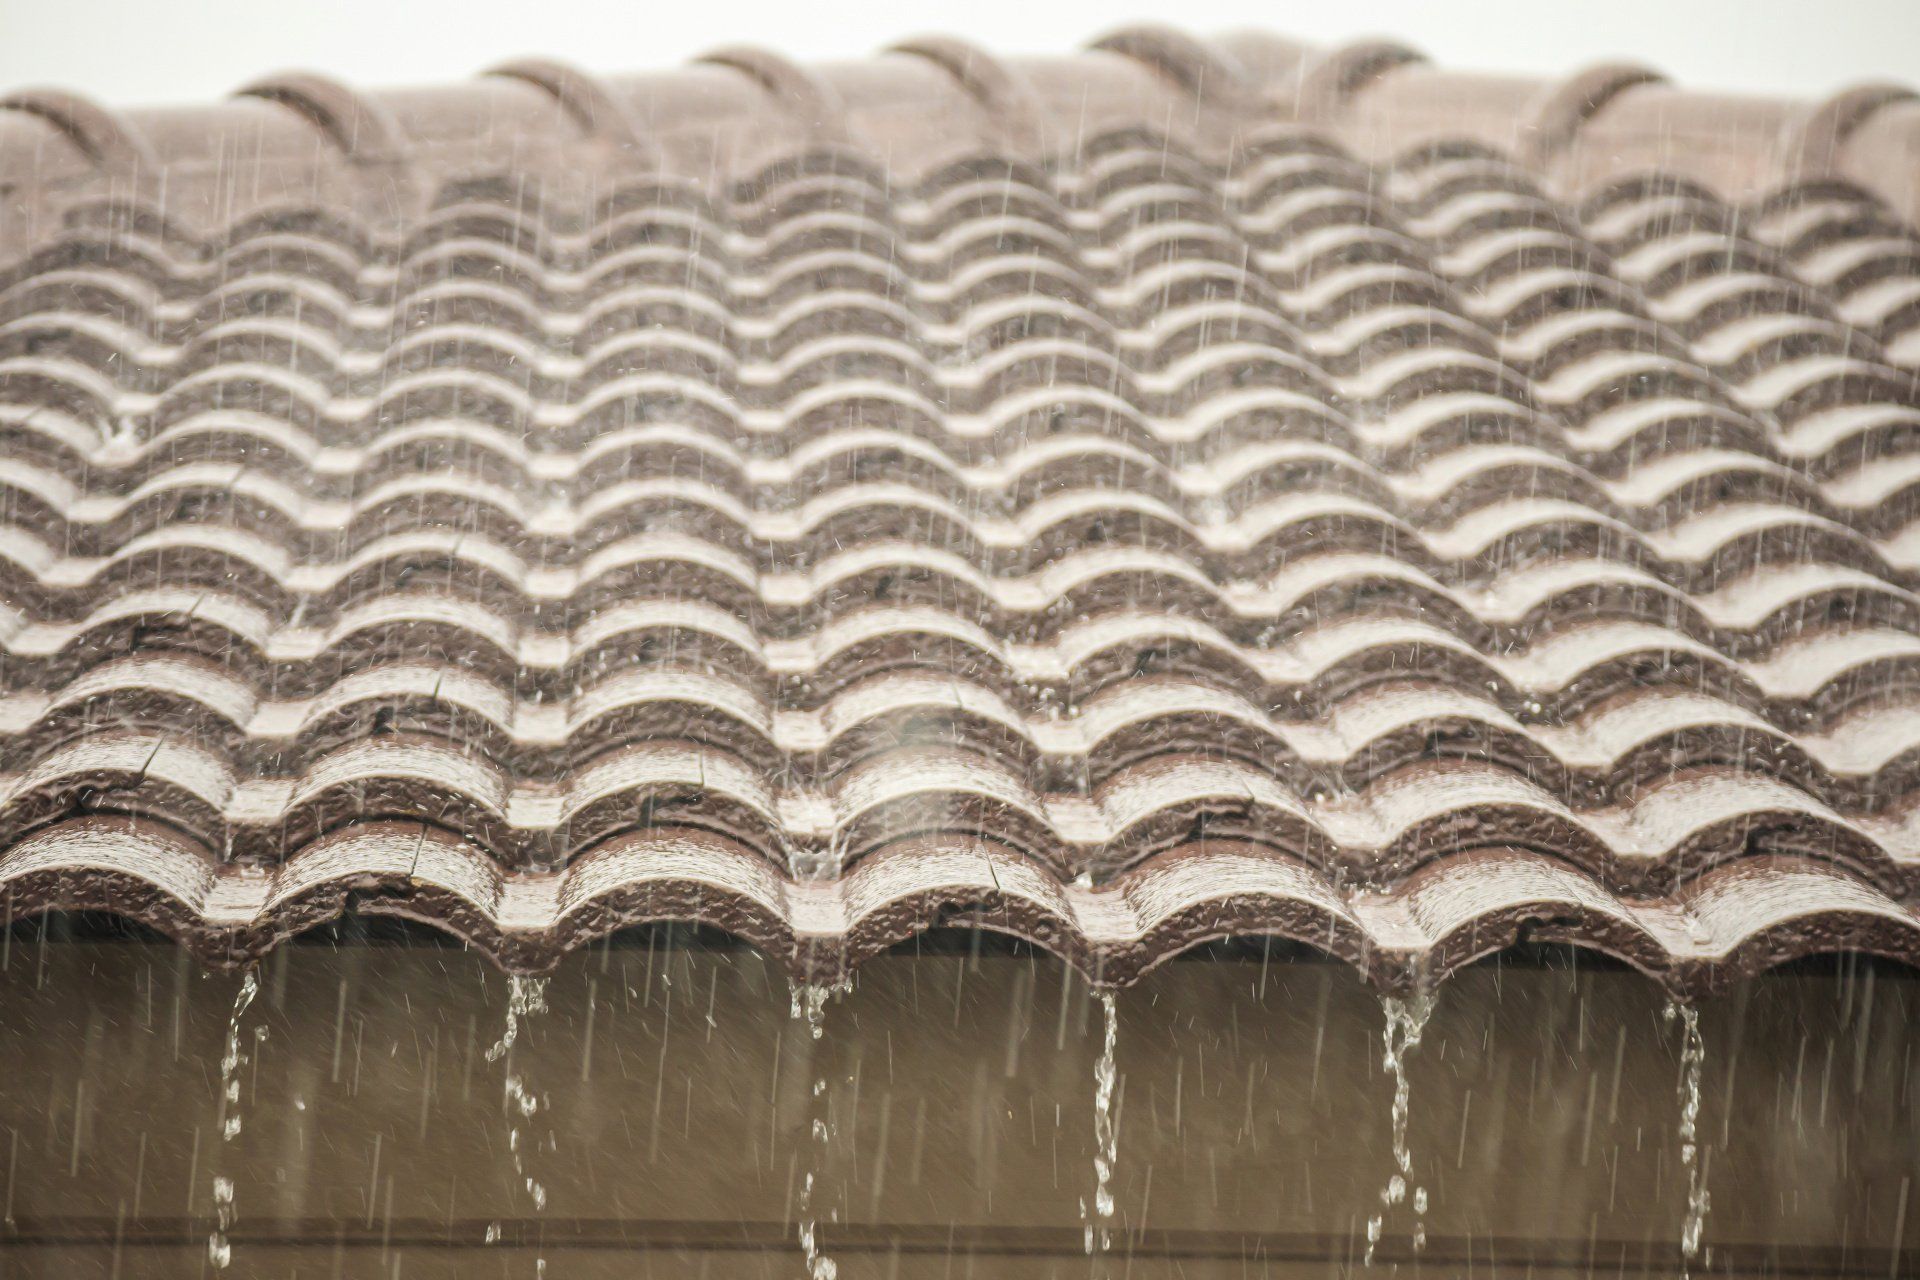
(810, 1002)
(1693, 1061)
(526, 996)
(232, 1119)
(1406, 1021)
(1106, 1138)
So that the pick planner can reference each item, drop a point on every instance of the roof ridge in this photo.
(731, 111)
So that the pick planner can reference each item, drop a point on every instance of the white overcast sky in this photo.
(129, 52)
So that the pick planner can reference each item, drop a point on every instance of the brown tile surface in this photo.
(830, 504)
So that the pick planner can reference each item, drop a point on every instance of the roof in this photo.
(1182, 490)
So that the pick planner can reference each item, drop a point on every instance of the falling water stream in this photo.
(1406, 1021)
(810, 1002)
(1106, 1138)
(526, 996)
(1693, 1060)
(232, 1120)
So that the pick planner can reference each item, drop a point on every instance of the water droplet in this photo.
(810, 1001)
(1106, 1139)
(1693, 1059)
(526, 996)
(1406, 1022)
(219, 1242)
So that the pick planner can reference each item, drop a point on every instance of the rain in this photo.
(947, 1116)
(1208, 657)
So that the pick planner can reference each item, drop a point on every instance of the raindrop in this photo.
(1406, 1021)
(526, 996)
(219, 1243)
(810, 1002)
(1693, 1061)
(1106, 1138)
(219, 1247)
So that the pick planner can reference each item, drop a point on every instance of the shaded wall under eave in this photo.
(677, 1092)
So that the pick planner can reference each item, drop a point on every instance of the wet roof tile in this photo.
(1367, 504)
